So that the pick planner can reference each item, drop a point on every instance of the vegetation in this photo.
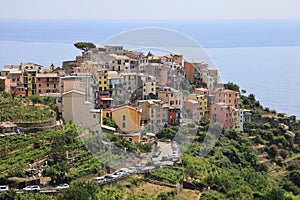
(262, 162)
(85, 46)
(2, 87)
(31, 109)
(109, 122)
(232, 86)
(166, 175)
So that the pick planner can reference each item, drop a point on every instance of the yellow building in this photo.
(203, 102)
(103, 80)
(235, 119)
(127, 118)
(28, 77)
(131, 137)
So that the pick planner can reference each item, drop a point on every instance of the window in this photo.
(54, 85)
(40, 85)
(124, 117)
(94, 116)
(47, 85)
(123, 124)
(40, 91)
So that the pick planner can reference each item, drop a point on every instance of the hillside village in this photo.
(140, 93)
(137, 103)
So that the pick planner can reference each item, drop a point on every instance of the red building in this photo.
(174, 116)
(189, 71)
(47, 83)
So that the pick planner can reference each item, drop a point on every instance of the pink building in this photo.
(201, 91)
(192, 108)
(153, 113)
(5, 82)
(227, 96)
(170, 96)
(222, 113)
(163, 75)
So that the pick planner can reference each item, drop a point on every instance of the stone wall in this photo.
(31, 127)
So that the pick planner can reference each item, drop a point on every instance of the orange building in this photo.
(127, 118)
(227, 96)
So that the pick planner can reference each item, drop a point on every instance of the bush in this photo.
(166, 175)
(166, 195)
(293, 165)
(284, 153)
(275, 194)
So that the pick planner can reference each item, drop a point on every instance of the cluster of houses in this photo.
(140, 93)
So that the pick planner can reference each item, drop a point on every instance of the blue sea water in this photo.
(262, 56)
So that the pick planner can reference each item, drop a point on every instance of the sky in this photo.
(153, 9)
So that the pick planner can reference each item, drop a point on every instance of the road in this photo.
(166, 151)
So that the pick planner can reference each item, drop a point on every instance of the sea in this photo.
(261, 56)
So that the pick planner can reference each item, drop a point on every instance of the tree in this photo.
(274, 194)
(85, 46)
(273, 151)
(2, 86)
(149, 54)
(81, 190)
(232, 86)
(8, 195)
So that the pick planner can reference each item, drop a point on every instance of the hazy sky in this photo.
(150, 9)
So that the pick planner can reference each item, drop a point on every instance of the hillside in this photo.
(263, 162)
(30, 109)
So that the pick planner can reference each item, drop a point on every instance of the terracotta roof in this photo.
(227, 90)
